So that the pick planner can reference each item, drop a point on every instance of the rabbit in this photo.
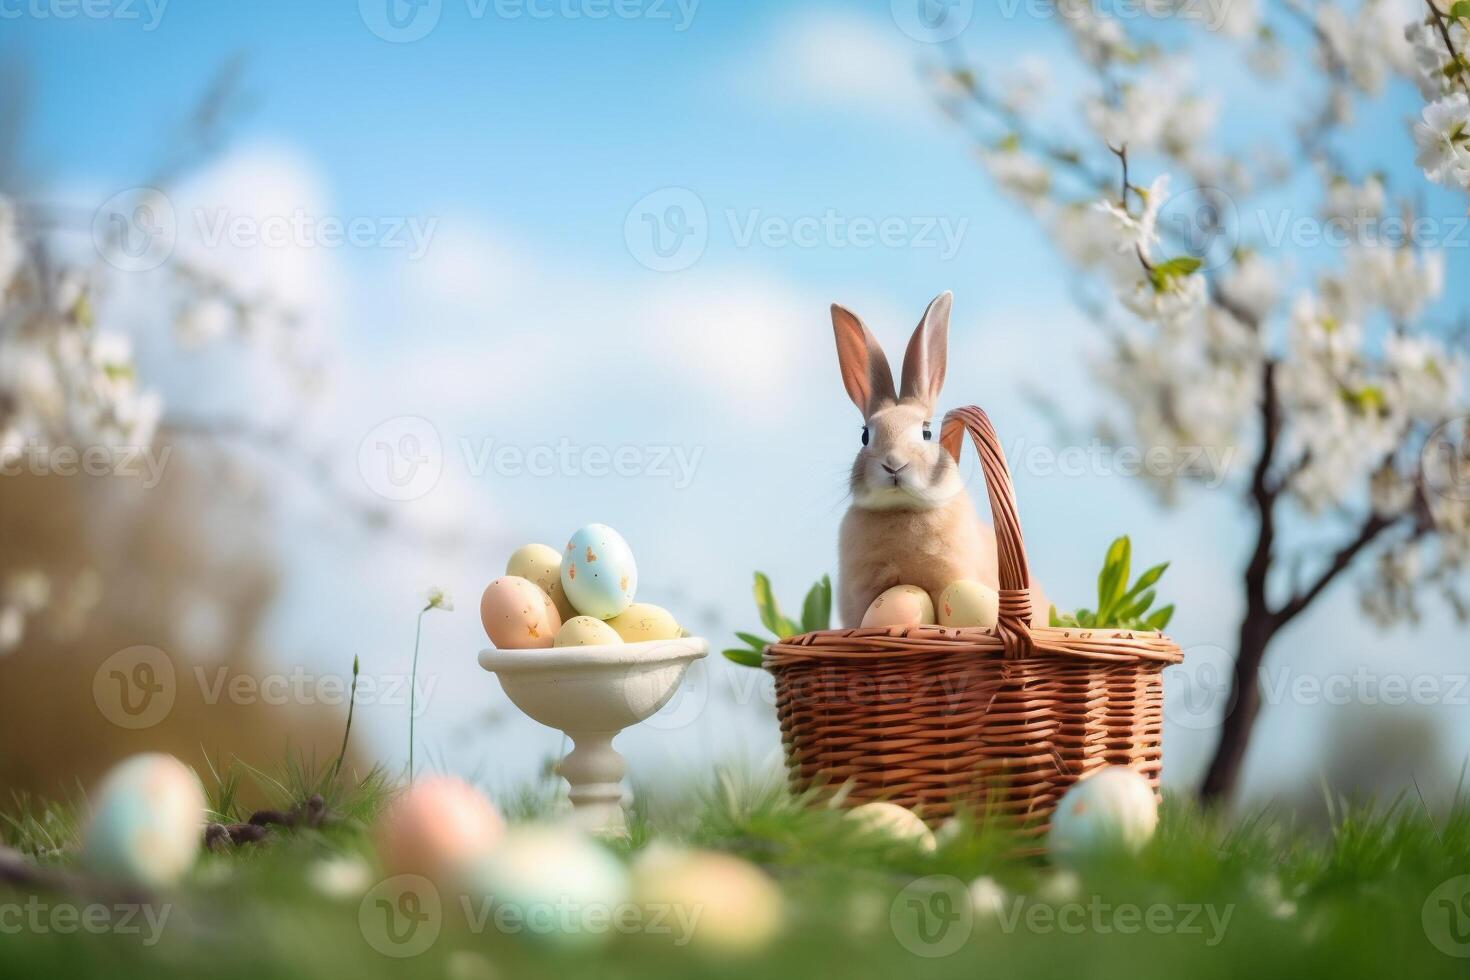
(911, 521)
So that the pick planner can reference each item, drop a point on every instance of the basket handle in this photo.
(1015, 574)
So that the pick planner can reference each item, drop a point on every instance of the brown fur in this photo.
(911, 521)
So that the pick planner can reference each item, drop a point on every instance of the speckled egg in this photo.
(598, 572)
(147, 821)
(644, 621)
(517, 615)
(1110, 808)
(586, 631)
(562, 887)
(541, 564)
(437, 828)
(902, 605)
(968, 603)
(740, 906)
(892, 820)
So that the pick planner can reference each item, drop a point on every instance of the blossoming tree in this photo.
(1341, 387)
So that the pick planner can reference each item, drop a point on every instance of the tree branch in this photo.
(1371, 529)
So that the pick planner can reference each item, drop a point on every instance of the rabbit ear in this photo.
(923, 362)
(865, 371)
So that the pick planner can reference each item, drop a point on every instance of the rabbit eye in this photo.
(865, 435)
(927, 434)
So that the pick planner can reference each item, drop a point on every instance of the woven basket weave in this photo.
(999, 721)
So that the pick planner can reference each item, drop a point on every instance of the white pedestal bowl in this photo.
(591, 694)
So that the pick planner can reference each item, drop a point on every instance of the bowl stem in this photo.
(594, 772)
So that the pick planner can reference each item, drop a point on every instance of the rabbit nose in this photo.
(895, 470)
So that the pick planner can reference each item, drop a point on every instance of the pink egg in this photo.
(902, 605)
(517, 615)
(438, 826)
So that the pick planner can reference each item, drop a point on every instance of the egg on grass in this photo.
(966, 602)
(895, 822)
(738, 906)
(517, 615)
(598, 573)
(552, 883)
(643, 621)
(586, 631)
(541, 564)
(1109, 809)
(147, 821)
(902, 605)
(436, 828)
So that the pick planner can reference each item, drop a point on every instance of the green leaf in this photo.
(816, 611)
(745, 658)
(1160, 619)
(1147, 579)
(1085, 618)
(771, 616)
(1113, 579)
(757, 643)
(1135, 609)
(1052, 618)
(1163, 274)
(1461, 10)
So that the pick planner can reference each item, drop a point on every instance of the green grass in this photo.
(1256, 896)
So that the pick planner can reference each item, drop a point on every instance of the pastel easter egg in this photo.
(893, 821)
(968, 603)
(517, 615)
(902, 605)
(437, 828)
(1111, 808)
(644, 621)
(740, 904)
(586, 631)
(598, 572)
(541, 564)
(147, 821)
(560, 886)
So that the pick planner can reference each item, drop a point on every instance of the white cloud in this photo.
(835, 59)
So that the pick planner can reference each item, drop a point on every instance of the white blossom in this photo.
(10, 247)
(1354, 203)
(1137, 235)
(1018, 173)
(1251, 285)
(437, 597)
(1175, 302)
(1443, 140)
(1400, 280)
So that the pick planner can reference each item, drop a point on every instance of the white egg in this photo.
(147, 821)
(892, 820)
(902, 605)
(968, 603)
(556, 883)
(1110, 808)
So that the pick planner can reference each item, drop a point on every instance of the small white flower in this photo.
(987, 898)
(1251, 285)
(1017, 172)
(1059, 887)
(1138, 235)
(1443, 140)
(340, 877)
(1177, 303)
(437, 597)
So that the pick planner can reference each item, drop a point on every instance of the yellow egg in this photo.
(892, 820)
(541, 564)
(902, 605)
(644, 621)
(586, 631)
(968, 603)
(517, 615)
(740, 906)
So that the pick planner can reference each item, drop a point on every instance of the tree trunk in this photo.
(1241, 709)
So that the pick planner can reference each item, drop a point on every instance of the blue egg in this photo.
(147, 821)
(598, 573)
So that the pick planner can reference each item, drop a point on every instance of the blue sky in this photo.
(529, 321)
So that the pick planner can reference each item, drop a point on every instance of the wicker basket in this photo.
(1000, 721)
